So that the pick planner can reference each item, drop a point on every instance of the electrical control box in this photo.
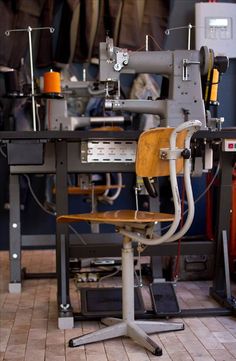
(229, 145)
(216, 27)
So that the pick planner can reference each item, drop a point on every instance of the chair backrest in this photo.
(148, 161)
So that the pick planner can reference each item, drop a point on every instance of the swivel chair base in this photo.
(136, 330)
(128, 326)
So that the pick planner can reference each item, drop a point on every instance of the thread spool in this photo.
(52, 84)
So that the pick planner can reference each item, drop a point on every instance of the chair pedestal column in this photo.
(128, 326)
(127, 281)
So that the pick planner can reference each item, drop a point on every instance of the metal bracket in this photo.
(186, 63)
(122, 59)
(166, 153)
(108, 151)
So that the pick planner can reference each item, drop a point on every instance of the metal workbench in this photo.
(62, 155)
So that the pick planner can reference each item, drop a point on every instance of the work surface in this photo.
(28, 323)
(88, 134)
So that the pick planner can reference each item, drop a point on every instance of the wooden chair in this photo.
(160, 152)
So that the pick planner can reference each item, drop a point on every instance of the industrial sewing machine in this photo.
(190, 87)
(183, 68)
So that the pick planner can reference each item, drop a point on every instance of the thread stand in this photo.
(29, 30)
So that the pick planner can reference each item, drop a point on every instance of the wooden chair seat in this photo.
(122, 216)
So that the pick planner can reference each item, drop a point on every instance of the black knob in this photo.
(221, 63)
(186, 153)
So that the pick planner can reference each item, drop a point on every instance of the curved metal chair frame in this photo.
(160, 152)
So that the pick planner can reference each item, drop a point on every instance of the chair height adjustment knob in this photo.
(186, 153)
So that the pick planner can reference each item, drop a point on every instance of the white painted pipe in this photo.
(192, 126)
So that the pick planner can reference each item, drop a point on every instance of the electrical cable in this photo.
(96, 92)
(150, 187)
(203, 193)
(77, 234)
(208, 187)
(48, 212)
(99, 91)
(36, 198)
(3, 153)
(137, 279)
(37, 115)
(113, 197)
(108, 183)
(117, 270)
(143, 47)
(154, 41)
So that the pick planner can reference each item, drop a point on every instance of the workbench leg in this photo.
(220, 288)
(65, 312)
(14, 235)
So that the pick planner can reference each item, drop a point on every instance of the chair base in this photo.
(137, 330)
(128, 326)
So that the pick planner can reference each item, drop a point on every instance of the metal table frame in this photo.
(65, 143)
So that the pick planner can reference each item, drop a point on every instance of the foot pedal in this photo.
(164, 299)
(106, 302)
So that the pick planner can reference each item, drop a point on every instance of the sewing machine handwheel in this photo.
(205, 59)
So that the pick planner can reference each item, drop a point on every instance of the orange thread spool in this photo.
(52, 82)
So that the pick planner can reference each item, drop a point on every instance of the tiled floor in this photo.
(28, 324)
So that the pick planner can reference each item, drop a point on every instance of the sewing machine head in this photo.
(183, 69)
